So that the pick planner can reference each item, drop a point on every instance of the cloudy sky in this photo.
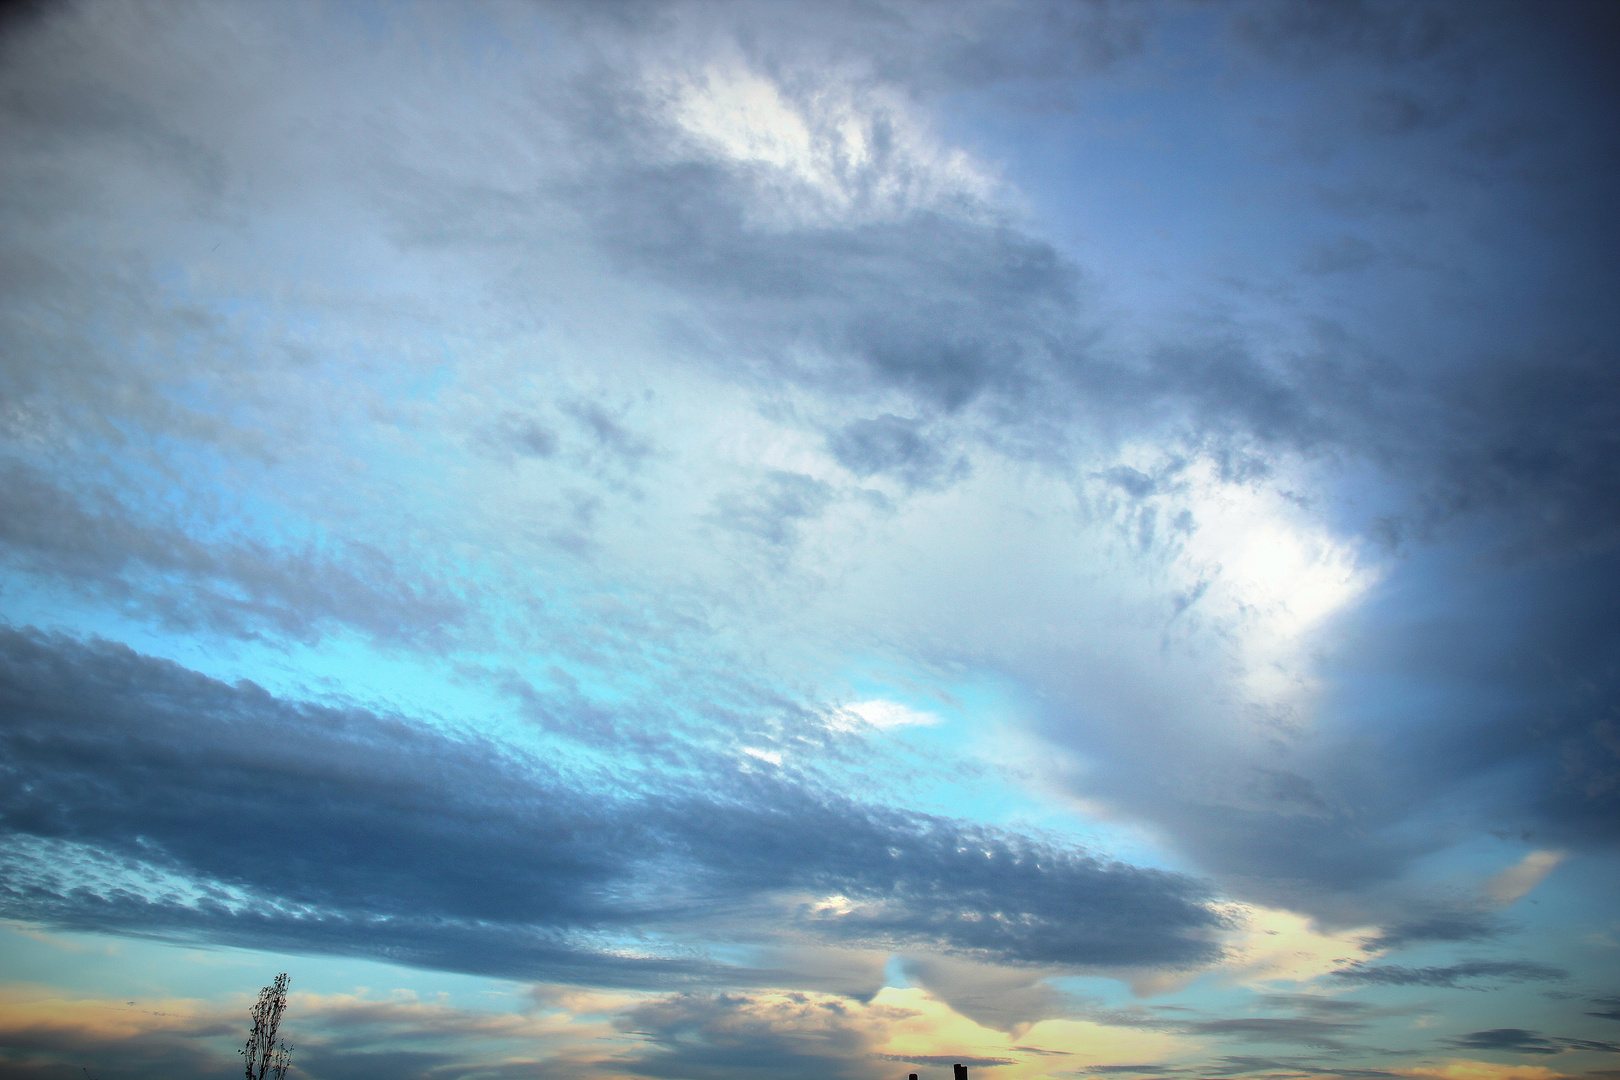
(815, 540)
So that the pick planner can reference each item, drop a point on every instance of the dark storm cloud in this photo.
(312, 828)
(1496, 971)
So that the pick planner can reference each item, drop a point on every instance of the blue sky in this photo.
(690, 539)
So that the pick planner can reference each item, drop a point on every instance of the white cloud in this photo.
(888, 714)
(849, 152)
(1517, 880)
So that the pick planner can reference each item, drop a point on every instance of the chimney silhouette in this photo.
(960, 1072)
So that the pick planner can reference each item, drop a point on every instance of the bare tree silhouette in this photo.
(264, 1056)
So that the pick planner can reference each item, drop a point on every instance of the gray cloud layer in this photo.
(323, 829)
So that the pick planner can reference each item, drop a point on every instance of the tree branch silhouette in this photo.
(263, 1055)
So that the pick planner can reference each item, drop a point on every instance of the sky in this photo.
(710, 540)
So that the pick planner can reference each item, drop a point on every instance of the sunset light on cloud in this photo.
(712, 539)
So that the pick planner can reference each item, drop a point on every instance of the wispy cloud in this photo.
(1497, 971)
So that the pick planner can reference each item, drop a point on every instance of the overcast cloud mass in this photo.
(711, 540)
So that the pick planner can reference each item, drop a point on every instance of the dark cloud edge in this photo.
(311, 828)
